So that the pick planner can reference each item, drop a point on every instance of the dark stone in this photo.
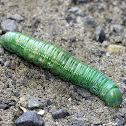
(124, 81)
(0, 119)
(109, 20)
(70, 19)
(81, 1)
(91, 108)
(2, 61)
(58, 114)
(7, 85)
(36, 23)
(34, 103)
(4, 106)
(8, 25)
(83, 92)
(73, 39)
(100, 34)
(12, 103)
(124, 22)
(48, 102)
(62, 39)
(29, 118)
(120, 122)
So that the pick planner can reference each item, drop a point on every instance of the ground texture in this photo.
(74, 28)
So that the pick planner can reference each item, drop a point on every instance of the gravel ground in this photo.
(85, 30)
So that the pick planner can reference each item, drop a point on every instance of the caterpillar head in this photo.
(113, 97)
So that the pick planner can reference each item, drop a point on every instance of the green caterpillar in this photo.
(59, 62)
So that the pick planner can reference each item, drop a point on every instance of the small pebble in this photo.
(124, 21)
(79, 123)
(16, 17)
(124, 115)
(116, 49)
(36, 23)
(34, 103)
(73, 10)
(105, 44)
(122, 89)
(16, 94)
(89, 21)
(6, 63)
(80, 114)
(48, 102)
(83, 92)
(100, 34)
(70, 19)
(124, 81)
(73, 39)
(1, 51)
(23, 100)
(4, 106)
(99, 53)
(101, 7)
(81, 1)
(8, 25)
(9, 75)
(0, 119)
(12, 103)
(109, 20)
(1, 61)
(41, 112)
(29, 118)
(117, 28)
(13, 82)
(120, 122)
(62, 39)
(12, 65)
(58, 114)
(124, 64)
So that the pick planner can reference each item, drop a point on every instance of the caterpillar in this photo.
(59, 62)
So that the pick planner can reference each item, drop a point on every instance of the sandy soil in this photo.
(51, 21)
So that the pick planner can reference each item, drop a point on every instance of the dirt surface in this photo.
(53, 21)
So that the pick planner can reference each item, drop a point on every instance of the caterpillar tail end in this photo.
(113, 97)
